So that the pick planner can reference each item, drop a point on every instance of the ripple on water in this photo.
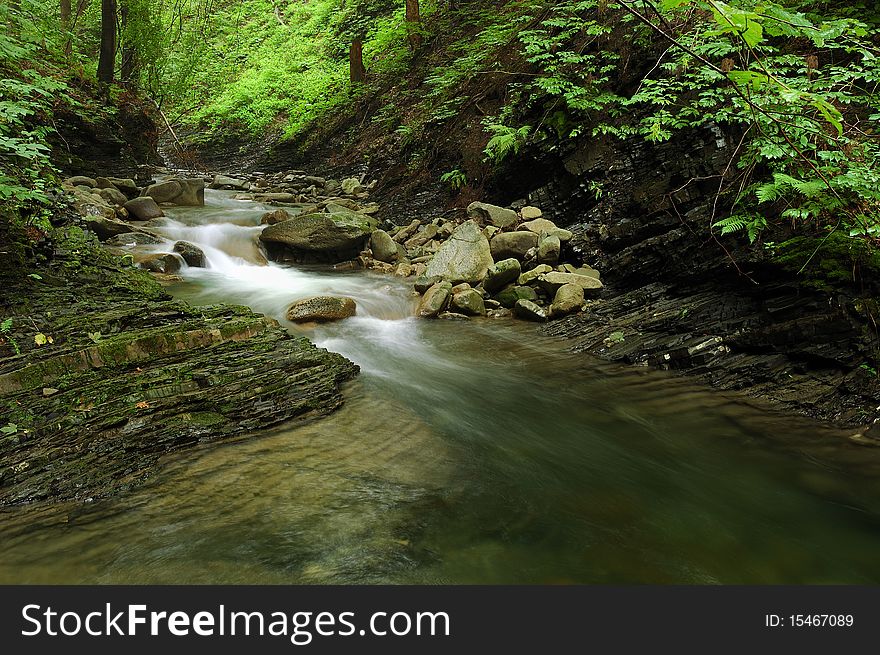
(467, 452)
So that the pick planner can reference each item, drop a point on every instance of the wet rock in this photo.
(423, 283)
(468, 302)
(529, 311)
(568, 300)
(286, 198)
(192, 193)
(161, 263)
(548, 250)
(106, 227)
(113, 196)
(501, 274)
(492, 214)
(143, 209)
(551, 282)
(383, 247)
(465, 257)
(435, 300)
(513, 244)
(126, 185)
(499, 313)
(273, 217)
(163, 191)
(230, 183)
(191, 254)
(133, 239)
(508, 297)
(133, 376)
(453, 316)
(337, 232)
(81, 180)
(321, 309)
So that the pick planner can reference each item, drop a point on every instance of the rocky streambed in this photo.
(103, 373)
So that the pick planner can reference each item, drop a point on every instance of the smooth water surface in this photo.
(477, 452)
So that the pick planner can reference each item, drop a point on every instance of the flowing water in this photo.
(477, 452)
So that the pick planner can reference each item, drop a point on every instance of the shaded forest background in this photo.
(455, 93)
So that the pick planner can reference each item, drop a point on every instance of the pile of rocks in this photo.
(295, 188)
(121, 212)
(498, 262)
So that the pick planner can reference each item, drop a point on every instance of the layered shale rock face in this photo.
(678, 298)
(111, 374)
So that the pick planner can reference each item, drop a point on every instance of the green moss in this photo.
(835, 261)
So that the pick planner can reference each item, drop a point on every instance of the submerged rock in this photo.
(191, 254)
(321, 309)
(161, 263)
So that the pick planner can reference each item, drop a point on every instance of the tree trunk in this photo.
(130, 67)
(356, 62)
(413, 17)
(65, 26)
(107, 60)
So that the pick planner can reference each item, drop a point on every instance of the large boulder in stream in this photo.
(465, 257)
(178, 191)
(340, 231)
(321, 309)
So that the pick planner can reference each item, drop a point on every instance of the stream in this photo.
(466, 452)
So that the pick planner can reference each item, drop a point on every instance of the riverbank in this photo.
(103, 373)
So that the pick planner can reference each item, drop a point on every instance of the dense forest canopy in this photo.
(795, 80)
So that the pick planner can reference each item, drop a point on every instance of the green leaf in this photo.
(830, 113)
